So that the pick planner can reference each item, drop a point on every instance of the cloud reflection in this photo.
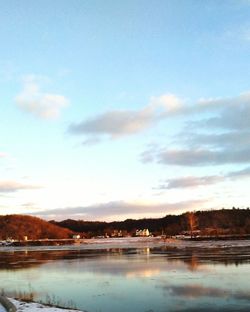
(197, 290)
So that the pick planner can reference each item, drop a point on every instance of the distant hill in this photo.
(212, 222)
(18, 226)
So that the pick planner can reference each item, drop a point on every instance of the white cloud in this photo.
(215, 132)
(169, 102)
(39, 103)
(225, 113)
(118, 123)
(115, 123)
(12, 186)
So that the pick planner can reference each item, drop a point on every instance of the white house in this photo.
(144, 233)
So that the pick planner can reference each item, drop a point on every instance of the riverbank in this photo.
(134, 242)
(121, 240)
(37, 307)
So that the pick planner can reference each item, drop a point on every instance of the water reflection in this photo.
(133, 279)
(194, 291)
(193, 258)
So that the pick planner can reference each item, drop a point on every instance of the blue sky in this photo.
(117, 109)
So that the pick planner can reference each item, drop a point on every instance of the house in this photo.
(117, 233)
(143, 233)
(76, 236)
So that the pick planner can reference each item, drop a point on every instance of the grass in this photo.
(49, 300)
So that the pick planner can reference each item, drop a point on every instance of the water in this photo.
(2, 308)
(133, 279)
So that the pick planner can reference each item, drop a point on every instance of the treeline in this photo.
(213, 222)
(19, 226)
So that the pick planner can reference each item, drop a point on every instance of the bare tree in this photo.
(192, 222)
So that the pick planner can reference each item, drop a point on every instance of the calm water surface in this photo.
(133, 279)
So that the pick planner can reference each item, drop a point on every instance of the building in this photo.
(117, 233)
(143, 233)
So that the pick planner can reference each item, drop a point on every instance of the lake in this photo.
(194, 277)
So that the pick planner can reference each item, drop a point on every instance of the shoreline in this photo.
(73, 241)
(91, 241)
(135, 243)
(38, 307)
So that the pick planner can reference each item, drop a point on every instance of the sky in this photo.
(123, 109)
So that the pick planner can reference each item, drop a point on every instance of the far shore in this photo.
(73, 241)
(129, 242)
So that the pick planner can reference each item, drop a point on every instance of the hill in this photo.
(18, 226)
(212, 222)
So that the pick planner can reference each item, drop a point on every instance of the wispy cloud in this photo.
(197, 157)
(119, 123)
(202, 122)
(37, 102)
(196, 181)
(215, 132)
(230, 113)
(13, 186)
(189, 181)
(29, 205)
(119, 209)
(2, 155)
(227, 139)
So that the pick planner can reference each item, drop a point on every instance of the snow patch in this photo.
(2, 309)
(36, 307)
